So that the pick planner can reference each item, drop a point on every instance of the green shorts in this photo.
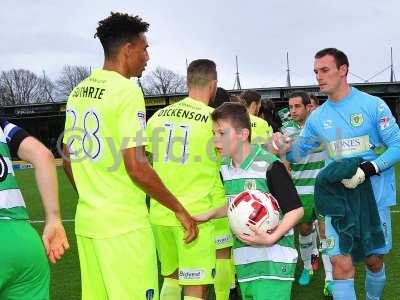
(266, 289)
(223, 234)
(24, 269)
(121, 267)
(309, 209)
(195, 261)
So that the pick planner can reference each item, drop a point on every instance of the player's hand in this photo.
(207, 216)
(281, 143)
(189, 224)
(353, 182)
(55, 240)
(364, 171)
(257, 237)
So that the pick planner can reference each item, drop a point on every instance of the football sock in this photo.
(223, 279)
(344, 290)
(306, 248)
(374, 284)
(327, 267)
(171, 290)
(314, 239)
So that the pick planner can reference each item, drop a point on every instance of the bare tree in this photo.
(69, 78)
(24, 87)
(163, 81)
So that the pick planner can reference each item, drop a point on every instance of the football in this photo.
(253, 207)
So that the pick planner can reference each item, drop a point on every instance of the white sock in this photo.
(314, 239)
(306, 248)
(327, 267)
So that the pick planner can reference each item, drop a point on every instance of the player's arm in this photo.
(306, 143)
(390, 134)
(282, 188)
(67, 166)
(142, 174)
(29, 149)
(215, 213)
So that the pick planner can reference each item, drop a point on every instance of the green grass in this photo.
(66, 278)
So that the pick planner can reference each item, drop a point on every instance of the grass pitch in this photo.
(65, 283)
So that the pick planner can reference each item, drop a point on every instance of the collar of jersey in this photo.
(255, 150)
(106, 72)
(198, 102)
(343, 100)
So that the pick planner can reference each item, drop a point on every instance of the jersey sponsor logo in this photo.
(349, 146)
(142, 119)
(327, 124)
(191, 274)
(221, 240)
(356, 120)
(384, 122)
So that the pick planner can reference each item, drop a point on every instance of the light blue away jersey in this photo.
(357, 125)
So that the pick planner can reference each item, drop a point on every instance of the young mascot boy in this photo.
(265, 262)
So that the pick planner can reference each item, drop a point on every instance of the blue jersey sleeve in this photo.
(305, 144)
(389, 132)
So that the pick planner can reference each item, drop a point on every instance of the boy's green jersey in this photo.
(252, 263)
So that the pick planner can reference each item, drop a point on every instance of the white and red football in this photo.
(253, 207)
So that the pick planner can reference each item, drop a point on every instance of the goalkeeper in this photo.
(353, 124)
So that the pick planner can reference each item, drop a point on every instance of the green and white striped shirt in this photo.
(257, 172)
(12, 205)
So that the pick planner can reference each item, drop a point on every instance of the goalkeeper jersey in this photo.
(358, 125)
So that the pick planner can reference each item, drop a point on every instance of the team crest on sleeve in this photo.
(142, 119)
(356, 120)
(384, 122)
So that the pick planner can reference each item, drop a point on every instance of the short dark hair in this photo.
(118, 29)
(200, 72)
(315, 98)
(305, 97)
(235, 113)
(250, 96)
(339, 56)
(221, 96)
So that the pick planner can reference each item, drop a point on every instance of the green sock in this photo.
(171, 290)
(223, 279)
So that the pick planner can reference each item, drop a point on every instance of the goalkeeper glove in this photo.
(364, 171)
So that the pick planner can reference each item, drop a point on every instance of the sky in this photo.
(45, 35)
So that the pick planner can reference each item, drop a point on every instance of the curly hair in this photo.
(117, 29)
